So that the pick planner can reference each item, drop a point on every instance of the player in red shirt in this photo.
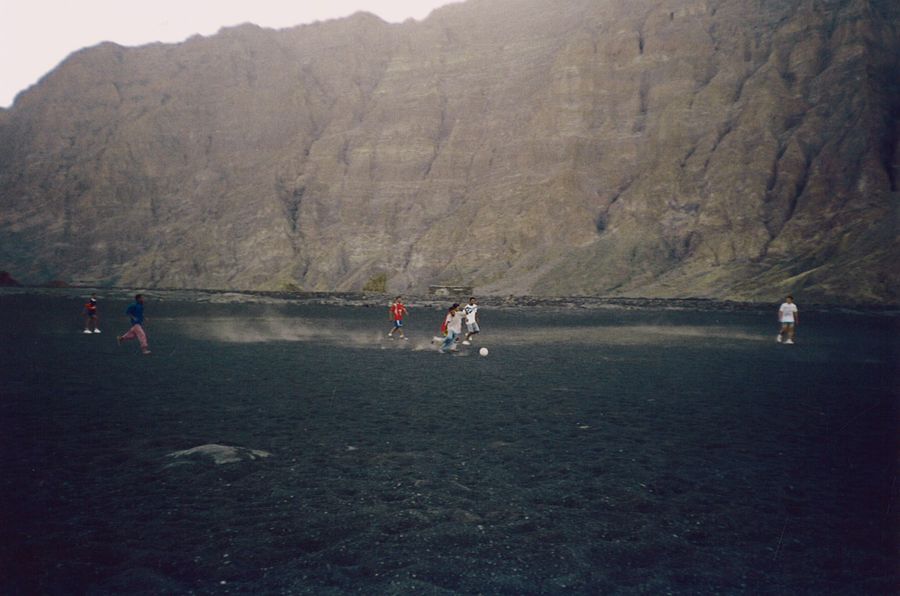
(397, 312)
(91, 318)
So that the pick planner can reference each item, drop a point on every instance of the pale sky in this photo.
(36, 35)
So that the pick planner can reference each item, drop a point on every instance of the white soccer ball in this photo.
(483, 351)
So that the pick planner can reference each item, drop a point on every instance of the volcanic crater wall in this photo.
(719, 148)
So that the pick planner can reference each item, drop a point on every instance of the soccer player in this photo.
(471, 312)
(91, 319)
(135, 311)
(397, 311)
(788, 316)
(453, 324)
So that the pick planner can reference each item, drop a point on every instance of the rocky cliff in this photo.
(718, 148)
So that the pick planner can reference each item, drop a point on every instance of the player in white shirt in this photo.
(471, 312)
(453, 325)
(788, 316)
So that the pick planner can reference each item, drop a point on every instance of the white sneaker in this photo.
(96, 331)
(778, 338)
(87, 331)
(467, 343)
(790, 342)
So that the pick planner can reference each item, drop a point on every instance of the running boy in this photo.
(397, 312)
(135, 311)
(471, 312)
(788, 316)
(453, 324)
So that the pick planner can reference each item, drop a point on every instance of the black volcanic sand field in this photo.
(603, 450)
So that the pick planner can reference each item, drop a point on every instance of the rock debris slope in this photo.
(664, 148)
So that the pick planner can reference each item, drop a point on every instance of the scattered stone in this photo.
(465, 517)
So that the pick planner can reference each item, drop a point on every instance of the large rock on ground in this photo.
(219, 454)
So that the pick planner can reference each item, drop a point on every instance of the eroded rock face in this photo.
(730, 149)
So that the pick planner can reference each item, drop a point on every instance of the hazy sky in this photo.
(36, 35)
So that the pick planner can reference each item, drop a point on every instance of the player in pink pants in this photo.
(136, 312)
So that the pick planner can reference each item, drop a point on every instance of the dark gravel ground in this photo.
(624, 448)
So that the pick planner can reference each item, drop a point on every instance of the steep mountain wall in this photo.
(721, 148)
